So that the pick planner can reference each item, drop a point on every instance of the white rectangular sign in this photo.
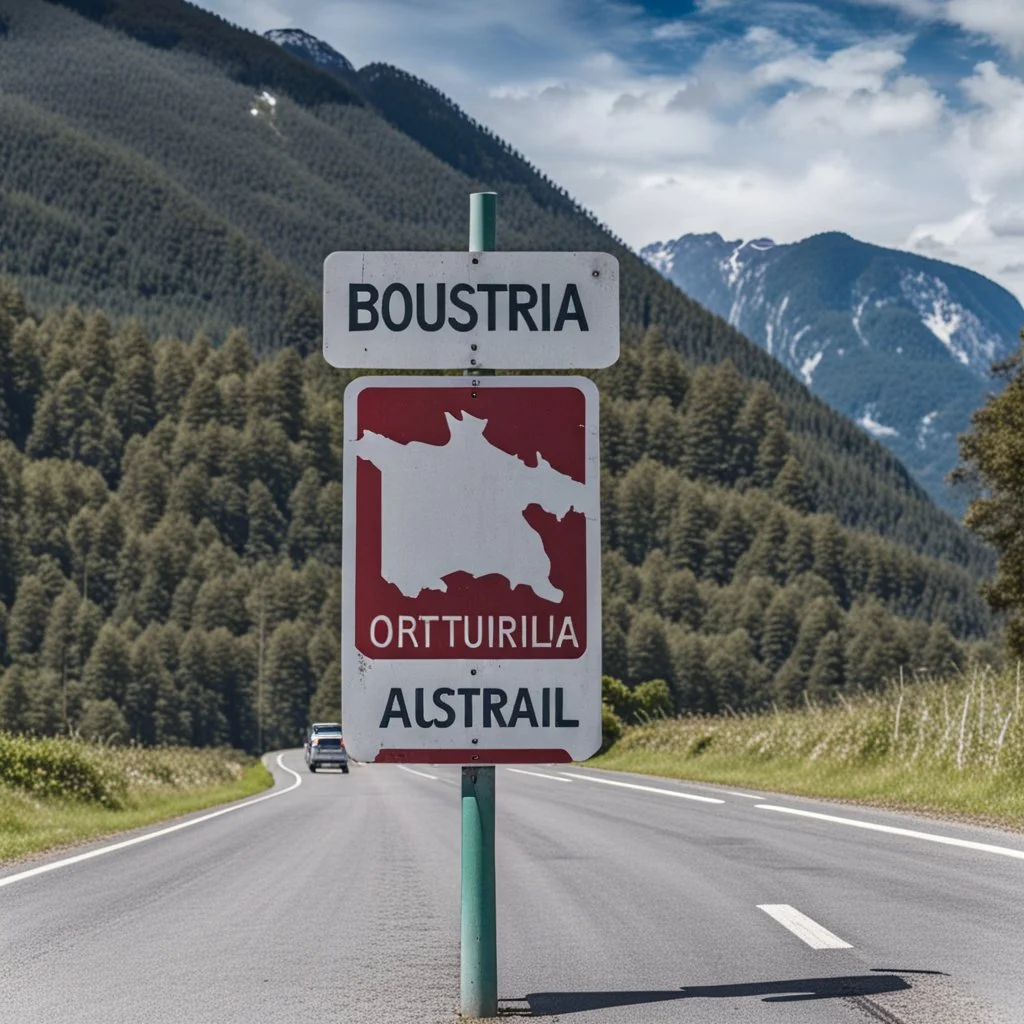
(471, 601)
(471, 310)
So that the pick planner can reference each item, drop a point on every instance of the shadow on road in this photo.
(544, 1004)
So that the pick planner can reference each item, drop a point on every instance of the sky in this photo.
(900, 122)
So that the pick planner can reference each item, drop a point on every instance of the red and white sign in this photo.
(471, 570)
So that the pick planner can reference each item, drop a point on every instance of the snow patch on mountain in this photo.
(926, 428)
(872, 426)
(302, 44)
(958, 328)
(661, 257)
(731, 268)
(809, 366)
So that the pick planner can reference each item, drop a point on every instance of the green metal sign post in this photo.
(479, 967)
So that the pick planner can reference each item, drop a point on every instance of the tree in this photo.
(791, 488)
(290, 684)
(710, 420)
(108, 672)
(828, 670)
(647, 651)
(992, 468)
(266, 524)
(26, 626)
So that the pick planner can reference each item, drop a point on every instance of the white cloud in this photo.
(765, 134)
(1002, 21)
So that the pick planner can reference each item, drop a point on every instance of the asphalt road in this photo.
(337, 900)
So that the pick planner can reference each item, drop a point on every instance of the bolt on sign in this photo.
(471, 586)
(443, 310)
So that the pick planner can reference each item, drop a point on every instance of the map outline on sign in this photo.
(508, 486)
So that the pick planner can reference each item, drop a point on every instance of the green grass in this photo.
(952, 748)
(57, 792)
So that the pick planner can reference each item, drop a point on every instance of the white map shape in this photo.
(459, 507)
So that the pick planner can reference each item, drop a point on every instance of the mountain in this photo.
(179, 177)
(900, 343)
(315, 51)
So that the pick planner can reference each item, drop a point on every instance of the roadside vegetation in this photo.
(59, 791)
(946, 746)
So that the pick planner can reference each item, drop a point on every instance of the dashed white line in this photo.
(412, 771)
(746, 796)
(125, 843)
(931, 837)
(540, 775)
(645, 789)
(803, 927)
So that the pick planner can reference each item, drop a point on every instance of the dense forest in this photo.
(170, 509)
(176, 205)
(170, 523)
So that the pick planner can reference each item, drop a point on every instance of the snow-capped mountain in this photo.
(900, 343)
(311, 49)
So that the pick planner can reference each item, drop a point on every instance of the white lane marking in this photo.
(646, 789)
(746, 796)
(803, 927)
(540, 775)
(967, 844)
(78, 858)
(412, 771)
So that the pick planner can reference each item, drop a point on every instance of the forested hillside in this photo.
(170, 524)
(176, 204)
(170, 510)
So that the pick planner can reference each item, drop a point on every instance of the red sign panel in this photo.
(471, 555)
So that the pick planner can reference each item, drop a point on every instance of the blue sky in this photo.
(898, 121)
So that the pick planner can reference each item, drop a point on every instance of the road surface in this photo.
(620, 899)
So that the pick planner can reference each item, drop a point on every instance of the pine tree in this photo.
(830, 558)
(827, 675)
(727, 543)
(108, 672)
(689, 531)
(174, 376)
(992, 466)
(26, 626)
(734, 677)
(304, 528)
(709, 424)
(791, 487)
(202, 403)
(942, 654)
(290, 684)
(266, 524)
(691, 678)
(647, 651)
(779, 634)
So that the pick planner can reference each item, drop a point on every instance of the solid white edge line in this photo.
(412, 771)
(540, 775)
(746, 796)
(42, 869)
(967, 844)
(645, 789)
(803, 927)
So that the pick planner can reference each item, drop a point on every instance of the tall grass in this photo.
(56, 791)
(952, 745)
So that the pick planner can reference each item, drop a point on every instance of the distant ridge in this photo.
(900, 343)
(307, 47)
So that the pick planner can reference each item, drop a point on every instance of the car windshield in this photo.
(327, 727)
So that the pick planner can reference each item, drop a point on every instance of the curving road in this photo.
(621, 898)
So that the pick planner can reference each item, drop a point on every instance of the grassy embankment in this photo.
(951, 747)
(55, 792)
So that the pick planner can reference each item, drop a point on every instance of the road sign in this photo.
(475, 310)
(471, 570)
